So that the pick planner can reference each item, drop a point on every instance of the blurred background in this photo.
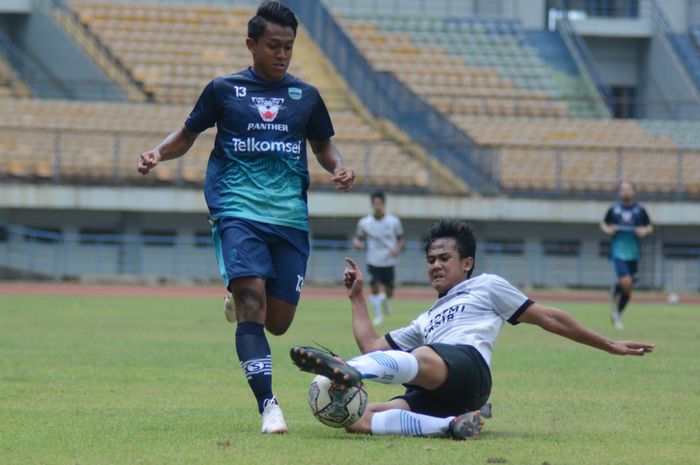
(521, 116)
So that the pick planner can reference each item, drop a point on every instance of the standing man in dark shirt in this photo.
(626, 222)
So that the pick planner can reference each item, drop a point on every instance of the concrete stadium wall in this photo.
(333, 218)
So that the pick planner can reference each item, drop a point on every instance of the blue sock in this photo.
(624, 298)
(616, 290)
(256, 360)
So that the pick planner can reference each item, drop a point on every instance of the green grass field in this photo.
(105, 380)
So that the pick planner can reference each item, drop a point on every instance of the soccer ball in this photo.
(336, 407)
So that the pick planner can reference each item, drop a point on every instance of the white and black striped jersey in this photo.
(471, 313)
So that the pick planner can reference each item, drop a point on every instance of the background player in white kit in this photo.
(444, 356)
(381, 234)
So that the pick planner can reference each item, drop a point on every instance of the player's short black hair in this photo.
(271, 11)
(378, 195)
(460, 231)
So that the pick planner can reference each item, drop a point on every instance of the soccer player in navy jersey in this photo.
(443, 357)
(255, 188)
(627, 222)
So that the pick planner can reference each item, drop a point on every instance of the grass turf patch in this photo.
(135, 380)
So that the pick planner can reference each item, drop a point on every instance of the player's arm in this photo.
(608, 225)
(328, 157)
(609, 229)
(400, 242)
(173, 146)
(646, 227)
(358, 243)
(366, 337)
(358, 240)
(643, 231)
(559, 322)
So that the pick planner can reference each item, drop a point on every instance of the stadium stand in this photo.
(490, 81)
(11, 85)
(469, 66)
(508, 100)
(6, 79)
(100, 140)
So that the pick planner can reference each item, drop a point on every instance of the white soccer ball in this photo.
(334, 406)
(673, 298)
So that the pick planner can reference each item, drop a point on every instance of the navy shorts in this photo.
(381, 274)
(625, 268)
(277, 254)
(466, 389)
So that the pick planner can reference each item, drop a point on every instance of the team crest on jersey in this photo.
(294, 93)
(268, 107)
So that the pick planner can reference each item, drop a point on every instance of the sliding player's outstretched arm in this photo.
(559, 322)
(175, 145)
(366, 337)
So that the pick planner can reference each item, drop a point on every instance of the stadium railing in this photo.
(582, 56)
(37, 77)
(94, 157)
(149, 257)
(685, 57)
(606, 8)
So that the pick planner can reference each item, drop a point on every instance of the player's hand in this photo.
(353, 279)
(631, 348)
(343, 178)
(640, 232)
(148, 161)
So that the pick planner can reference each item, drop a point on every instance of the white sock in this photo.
(376, 306)
(408, 423)
(386, 366)
(381, 297)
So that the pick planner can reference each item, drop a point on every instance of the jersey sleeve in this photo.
(360, 229)
(319, 126)
(609, 217)
(205, 113)
(399, 228)
(405, 338)
(644, 219)
(507, 300)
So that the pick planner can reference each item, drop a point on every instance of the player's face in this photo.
(377, 207)
(626, 193)
(445, 268)
(272, 52)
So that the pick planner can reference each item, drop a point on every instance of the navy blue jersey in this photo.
(625, 243)
(258, 168)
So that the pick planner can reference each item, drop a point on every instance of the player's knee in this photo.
(250, 304)
(432, 369)
(427, 356)
(627, 284)
(277, 328)
(279, 316)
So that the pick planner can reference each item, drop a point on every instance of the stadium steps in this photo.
(565, 75)
(174, 49)
(100, 55)
(11, 85)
